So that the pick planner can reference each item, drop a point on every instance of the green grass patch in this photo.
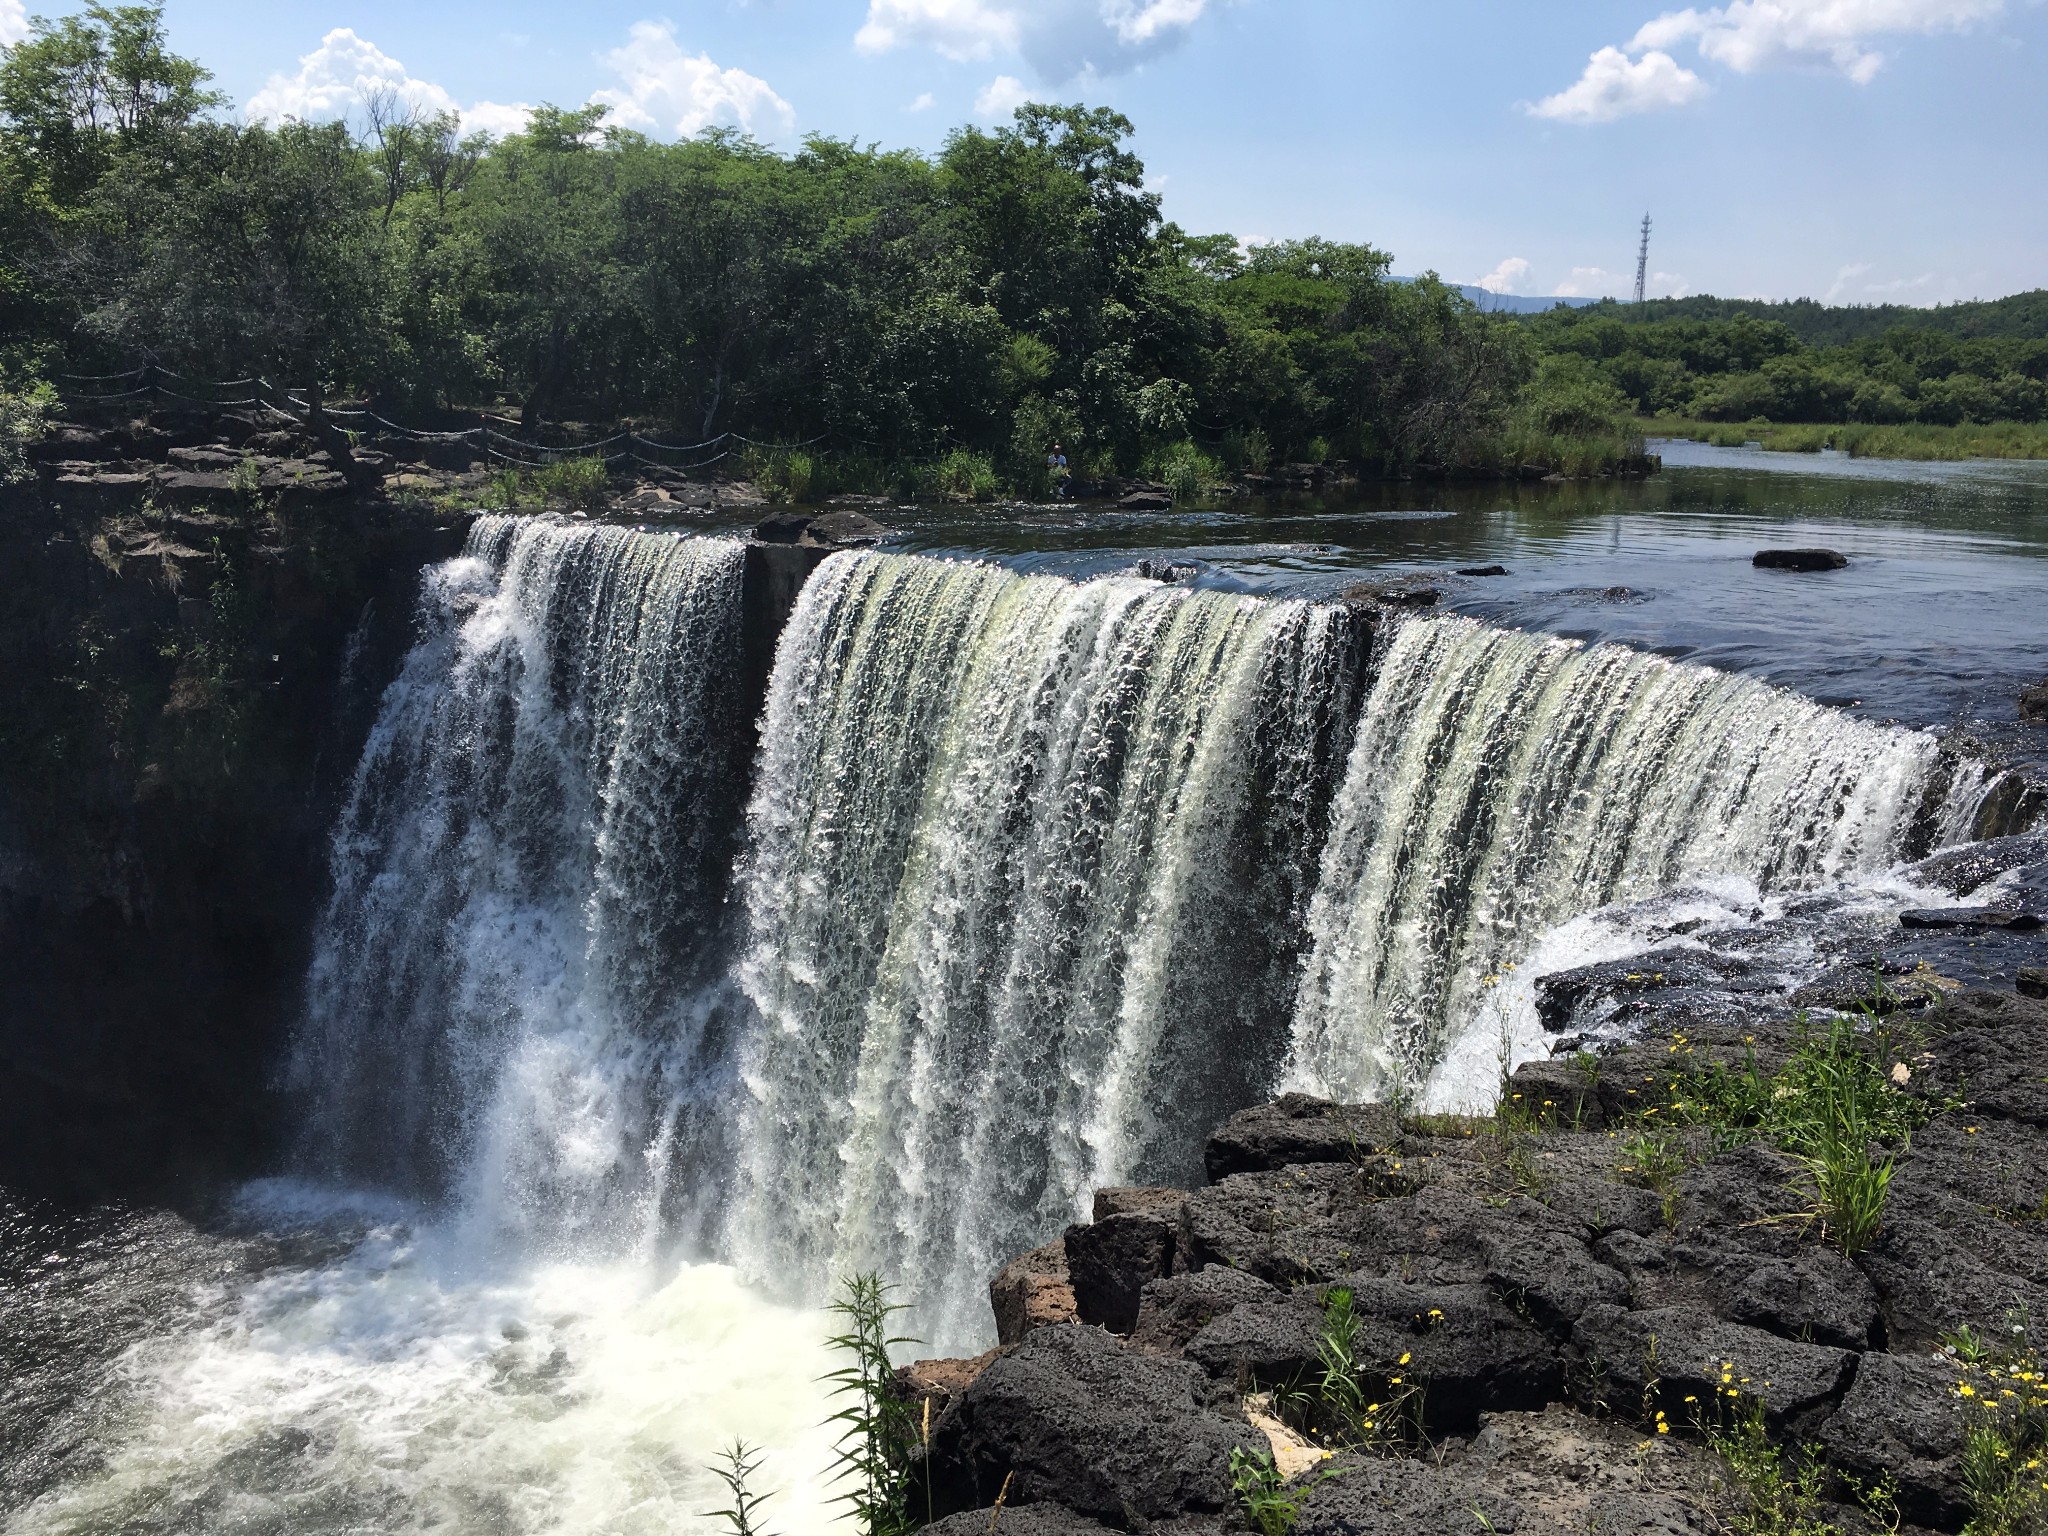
(1837, 1105)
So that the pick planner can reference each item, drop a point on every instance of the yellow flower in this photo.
(1663, 1428)
(1405, 1358)
(1964, 1389)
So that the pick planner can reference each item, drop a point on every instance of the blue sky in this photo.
(1863, 150)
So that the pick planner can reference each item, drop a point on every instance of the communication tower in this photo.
(1643, 260)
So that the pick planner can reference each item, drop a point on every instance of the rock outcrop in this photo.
(1566, 1303)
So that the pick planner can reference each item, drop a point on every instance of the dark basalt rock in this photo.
(1261, 1344)
(1298, 1129)
(1074, 1416)
(1474, 1354)
(1559, 1093)
(1799, 560)
(1146, 501)
(1017, 1520)
(1992, 1053)
(1666, 1355)
(939, 1382)
(1032, 1291)
(1567, 1475)
(1312, 1222)
(1971, 917)
(2034, 704)
(1372, 1496)
(1903, 1417)
(1393, 594)
(1173, 1311)
(1110, 1261)
(1483, 570)
(2032, 981)
(845, 529)
(1809, 1292)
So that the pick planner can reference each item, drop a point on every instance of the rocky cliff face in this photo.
(180, 693)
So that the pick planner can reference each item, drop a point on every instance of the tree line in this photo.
(1018, 288)
(1718, 361)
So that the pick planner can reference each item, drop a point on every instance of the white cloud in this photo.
(1749, 35)
(1614, 85)
(1746, 36)
(959, 29)
(1599, 283)
(669, 91)
(1060, 39)
(1136, 23)
(13, 23)
(335, 78)
(1505, 277)
(1005, 94)
(1844, 278)
(924, 103)
(1586, 283)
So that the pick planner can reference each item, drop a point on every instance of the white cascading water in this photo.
(1024, 881)
(510, 1017)
(512, 985)
(1501, 783)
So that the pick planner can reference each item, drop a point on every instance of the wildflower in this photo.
(1969, 1130)
(1964, 1389)
(1901, 1073)
(1662, 1427)
(1405, 1358)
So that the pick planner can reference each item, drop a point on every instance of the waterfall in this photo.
(1036, 881)
(1502, 782)
(1025, 890)
(508, 1000)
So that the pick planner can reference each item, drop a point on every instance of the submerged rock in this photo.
(1799, 560)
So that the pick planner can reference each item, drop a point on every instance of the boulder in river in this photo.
(1146, 501)
(1799, 560)
(2034, 704)
(1483, 570)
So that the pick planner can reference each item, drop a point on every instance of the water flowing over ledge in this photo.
(1026, 883)
(507, 996)
(1504, 782)
(1036, 880)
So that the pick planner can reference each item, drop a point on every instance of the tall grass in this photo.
(879, 1442)
(1185, 470)
(965, 476)
(1913, 440)
(1835, 1105)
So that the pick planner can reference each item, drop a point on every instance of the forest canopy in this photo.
(1018, 287)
